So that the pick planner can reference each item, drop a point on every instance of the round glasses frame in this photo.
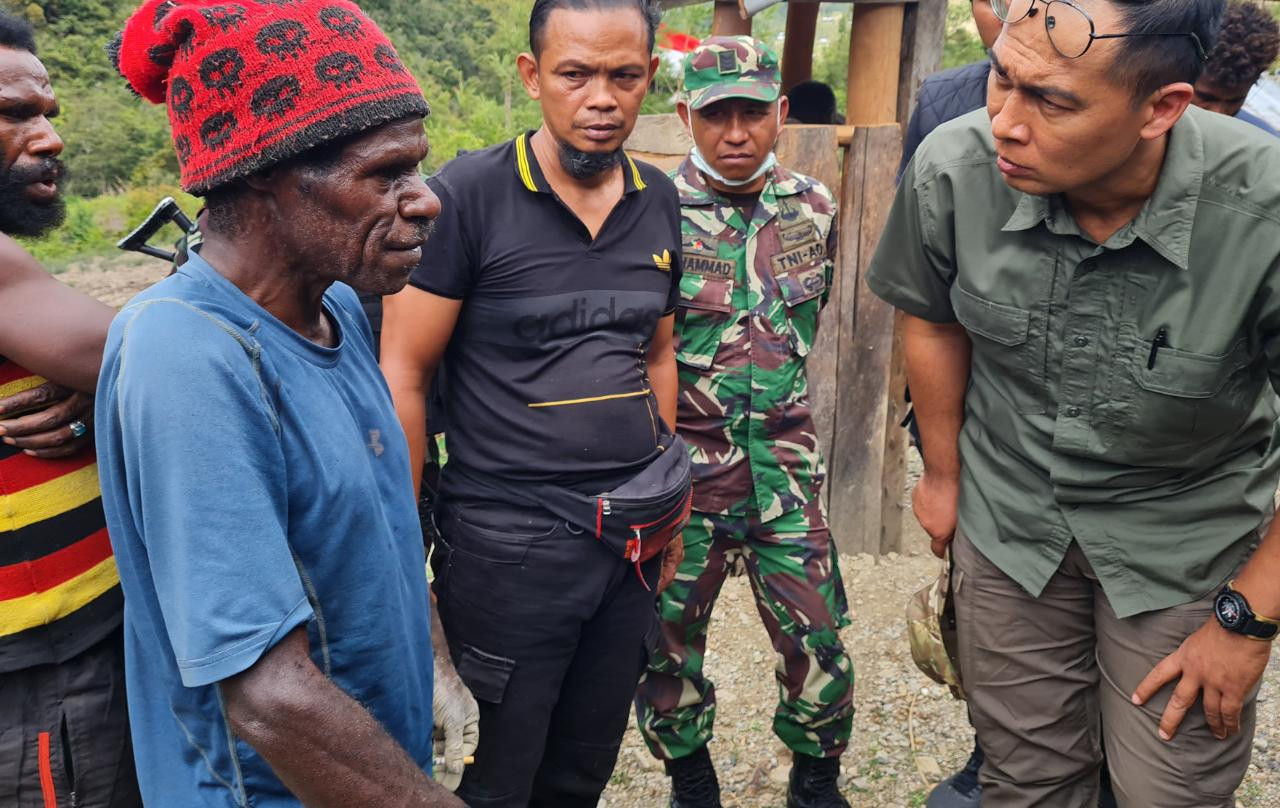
(1004, 12)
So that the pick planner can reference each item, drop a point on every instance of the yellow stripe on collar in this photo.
(522, 164)
(635, 174)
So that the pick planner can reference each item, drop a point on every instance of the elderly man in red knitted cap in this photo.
(255, 478)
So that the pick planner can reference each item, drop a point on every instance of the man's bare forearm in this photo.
(416, 329)
(937, 358)
(410, 401)
(664, 375)
(46, 326)
(319, 741)
(439, 640)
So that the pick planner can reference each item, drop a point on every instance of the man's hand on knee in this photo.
(1222, 665)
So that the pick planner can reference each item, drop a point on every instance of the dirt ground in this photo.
(908, 733)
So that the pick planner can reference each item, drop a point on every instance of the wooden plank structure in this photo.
(856, 377)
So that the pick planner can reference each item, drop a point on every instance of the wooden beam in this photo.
(860, 453)
(875, 50)
(726, 20)
(924, 33)
(797, 48)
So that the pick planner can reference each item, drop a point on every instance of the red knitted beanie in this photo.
(252, 84)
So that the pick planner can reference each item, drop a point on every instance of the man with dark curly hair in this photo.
(1247, 48)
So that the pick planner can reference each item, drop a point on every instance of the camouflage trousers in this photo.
(795, 576)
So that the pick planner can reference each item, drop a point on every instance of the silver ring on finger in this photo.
(78, 428)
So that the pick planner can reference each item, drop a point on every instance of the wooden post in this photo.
(924, 31)
(727, 20)
(875, 50)
(797, 48)
(862, 463)
(867, 460)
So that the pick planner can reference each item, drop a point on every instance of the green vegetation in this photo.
(962, 45)
(463, 53)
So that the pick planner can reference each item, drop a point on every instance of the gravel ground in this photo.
(908, 732)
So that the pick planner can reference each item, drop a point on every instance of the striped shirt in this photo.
(59, 590)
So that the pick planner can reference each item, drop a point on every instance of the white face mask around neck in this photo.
(703, 165)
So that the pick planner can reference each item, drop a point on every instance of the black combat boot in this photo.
(693, 781)
(962, 789)
(813, 783)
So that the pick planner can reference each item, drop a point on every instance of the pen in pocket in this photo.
(1161, 340)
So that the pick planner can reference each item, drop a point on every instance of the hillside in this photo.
(463, 53)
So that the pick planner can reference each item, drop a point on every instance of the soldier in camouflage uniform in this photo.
(758, 249)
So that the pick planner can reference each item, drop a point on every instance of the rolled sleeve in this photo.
(913, 268)
(205, 476)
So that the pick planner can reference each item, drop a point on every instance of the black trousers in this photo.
(551, 632)
(64, 733)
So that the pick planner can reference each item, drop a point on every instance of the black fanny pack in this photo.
(635, 520)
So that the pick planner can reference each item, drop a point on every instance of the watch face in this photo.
(1231, 612)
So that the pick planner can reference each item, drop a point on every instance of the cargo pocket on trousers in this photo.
(485, 675)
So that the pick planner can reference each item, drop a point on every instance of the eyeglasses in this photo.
(1070, 28)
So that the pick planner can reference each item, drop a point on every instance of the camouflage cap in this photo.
(731, 67)
(932, 634)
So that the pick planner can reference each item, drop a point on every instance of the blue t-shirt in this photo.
(254, 482)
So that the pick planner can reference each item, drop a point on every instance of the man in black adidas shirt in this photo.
(546, 300)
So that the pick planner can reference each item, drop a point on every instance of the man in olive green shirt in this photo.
(1090, 275)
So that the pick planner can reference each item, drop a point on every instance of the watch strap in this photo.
(1256, 626)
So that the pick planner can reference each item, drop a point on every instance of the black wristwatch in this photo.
(1234, 614)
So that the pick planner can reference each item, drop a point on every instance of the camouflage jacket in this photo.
(750, 299)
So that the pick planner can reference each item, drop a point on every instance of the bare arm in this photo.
(937, 356)
(665, 380)
(416, 329)
(46, 326)
(663, 375)
(322, 745)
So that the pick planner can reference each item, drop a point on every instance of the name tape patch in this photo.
(798, 257)
(708, 267)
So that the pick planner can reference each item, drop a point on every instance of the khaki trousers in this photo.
(1049, 677)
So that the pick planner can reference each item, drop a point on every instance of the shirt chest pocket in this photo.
(803, 291)
(1008, 353)
(705, 307)
(1172, 405)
